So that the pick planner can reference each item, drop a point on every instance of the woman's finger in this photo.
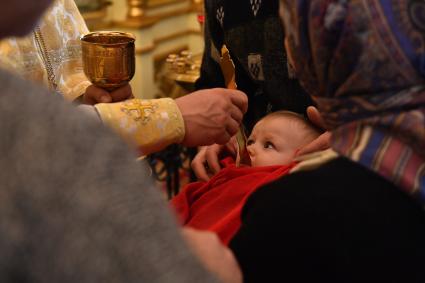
(315, 117)
(321, 143)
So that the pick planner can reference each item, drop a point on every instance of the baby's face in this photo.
(273, 141)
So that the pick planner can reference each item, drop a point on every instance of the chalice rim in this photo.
(92, 34)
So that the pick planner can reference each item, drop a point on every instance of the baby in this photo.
(216, 205)
(276, 138)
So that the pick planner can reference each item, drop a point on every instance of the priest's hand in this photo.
(94, 95)
(217, 258)
(211, 115)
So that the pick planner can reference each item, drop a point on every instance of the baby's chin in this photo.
(262, 163)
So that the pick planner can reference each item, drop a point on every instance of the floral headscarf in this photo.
(363, 61)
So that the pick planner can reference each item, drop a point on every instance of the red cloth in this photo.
(216, 205)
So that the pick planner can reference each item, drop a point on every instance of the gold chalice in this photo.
(108, 58)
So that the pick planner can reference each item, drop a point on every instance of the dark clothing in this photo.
(75, 206)
(252, 32)
(338, 223)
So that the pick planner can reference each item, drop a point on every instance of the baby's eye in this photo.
(249, 142)
(268, 145)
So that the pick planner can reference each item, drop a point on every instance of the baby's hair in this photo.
(298, 119)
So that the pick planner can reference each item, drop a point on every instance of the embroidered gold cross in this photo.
(139, 111)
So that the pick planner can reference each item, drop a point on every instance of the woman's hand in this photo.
(323, 141)
(94, 95)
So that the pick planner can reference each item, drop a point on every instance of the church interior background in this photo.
(169, 40)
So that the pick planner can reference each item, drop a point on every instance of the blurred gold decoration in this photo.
(136, 9)
(94, 12)
(108, 58)
(91, 5)
(184, 69)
